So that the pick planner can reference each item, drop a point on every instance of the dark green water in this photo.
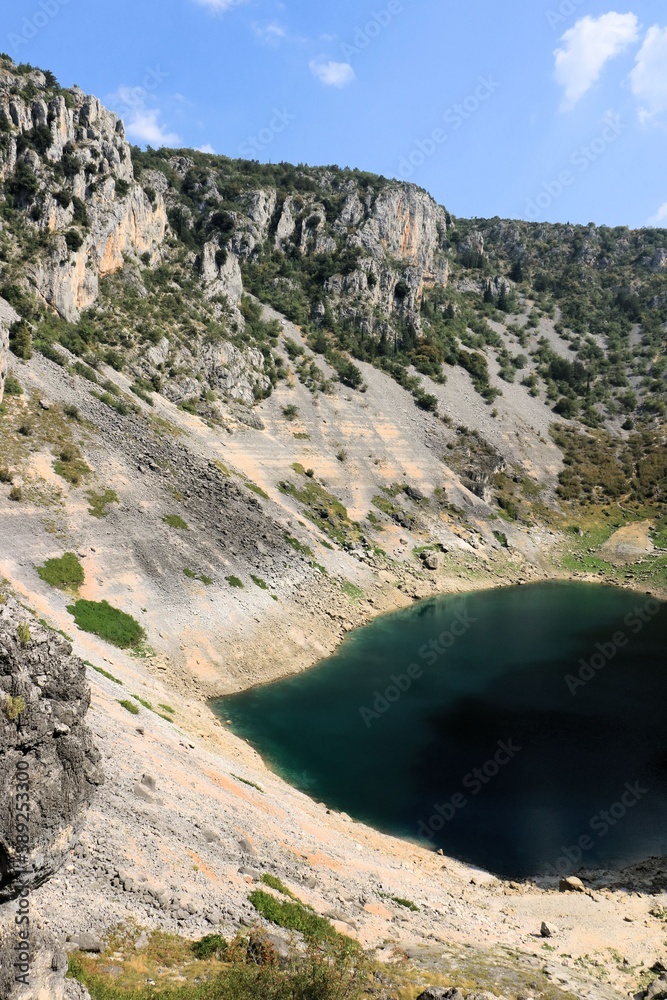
(506, 747)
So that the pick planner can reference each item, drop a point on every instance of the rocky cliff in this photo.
(49, 767)
(65, 160)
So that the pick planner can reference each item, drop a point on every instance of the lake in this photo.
(521, 729)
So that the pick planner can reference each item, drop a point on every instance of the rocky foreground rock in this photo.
(49, 766)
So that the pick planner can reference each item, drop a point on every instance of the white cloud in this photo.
(219, 6)
(206, 148)
(660, 216)
(648, 80)
(142, 122)
(588, 47)
(332, 74)
(273, 33)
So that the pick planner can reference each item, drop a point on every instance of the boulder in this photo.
(657, 990)
(571, 884)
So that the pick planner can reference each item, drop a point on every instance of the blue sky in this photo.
(545, 109)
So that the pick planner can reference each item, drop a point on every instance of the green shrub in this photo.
(23, 633)
(290, 412)
(100, 618)
(234, 581)
(257, 580)
(12, 386)
(80, 212)
(211, 946)
(20, 340)
(14, 707)
(16, 494)
(122, 188)
(65, 573)
(5, 475)
(174, 521)
(74, 240)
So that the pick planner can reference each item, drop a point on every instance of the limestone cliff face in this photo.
(44, 698)
(399, 232)
(66, 160)
(8, 316)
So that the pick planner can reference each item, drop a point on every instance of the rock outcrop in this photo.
(49, 766)
(65, 158)
(8, 316)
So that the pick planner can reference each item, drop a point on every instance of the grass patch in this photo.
(293, 915)
(257, 580)
(275, 883)
(174, 521)
(407, 903)
(352, 591)
(99, 502)
(141, 701)
(65, 573)
(104, 673)
(258, 490)
(244, 968)
(234, 581)
(322, 507)
(245, 781)
(24, 634)
(129, 706)
(191, 575)
(70, 465)
(168, 708)
(298, 546)
(100, 618)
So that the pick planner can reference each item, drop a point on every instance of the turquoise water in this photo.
(521, 729)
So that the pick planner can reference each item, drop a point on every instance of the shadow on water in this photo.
(520, 729)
